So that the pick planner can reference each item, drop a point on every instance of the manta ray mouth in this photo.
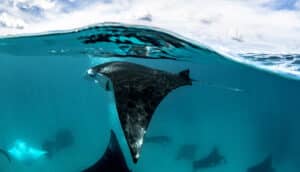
(91, 72)
(99, 78)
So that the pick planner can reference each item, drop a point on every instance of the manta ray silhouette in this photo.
(113, 159)
(138, 90)
(263, 166)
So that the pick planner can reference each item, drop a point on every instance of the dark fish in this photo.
(63, 139)
(5, 153)
(158, 139)
(187, 152)
(138, 91)
(213, 159)
(113, 159)
(264, 166)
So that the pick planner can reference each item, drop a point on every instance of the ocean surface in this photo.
(240, 104)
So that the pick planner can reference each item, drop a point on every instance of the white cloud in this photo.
(44, 4)
(11, 22)
(235, 25)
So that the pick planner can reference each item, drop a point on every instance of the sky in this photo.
(240, 26)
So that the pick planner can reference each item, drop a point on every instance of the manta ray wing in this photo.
(113, 159)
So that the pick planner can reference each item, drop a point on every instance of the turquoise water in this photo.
(247, 112)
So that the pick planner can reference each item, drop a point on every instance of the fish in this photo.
(5, 154)
(62, 139)
(138, 90)
(263, 166)
(213, 159)
(158, 139)
(187, 152)
(113, 159)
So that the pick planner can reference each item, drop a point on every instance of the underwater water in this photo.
(246, 112)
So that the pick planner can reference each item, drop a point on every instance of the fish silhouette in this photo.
(213, 159)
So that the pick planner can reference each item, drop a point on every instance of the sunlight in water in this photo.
(21, 151)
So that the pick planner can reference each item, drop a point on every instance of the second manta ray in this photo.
(138, 90)
(264, 166)
(113, 159)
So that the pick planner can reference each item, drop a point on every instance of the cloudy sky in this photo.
(229, 25)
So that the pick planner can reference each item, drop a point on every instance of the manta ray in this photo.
(263, 166)
(113, 159)
(138, 90)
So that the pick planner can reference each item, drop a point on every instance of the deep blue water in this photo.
(246, 112)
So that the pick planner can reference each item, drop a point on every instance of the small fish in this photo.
(213, 159)
(62, 139)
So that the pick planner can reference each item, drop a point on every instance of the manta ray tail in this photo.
(5, 153)
(113, 159)
(224, 87)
